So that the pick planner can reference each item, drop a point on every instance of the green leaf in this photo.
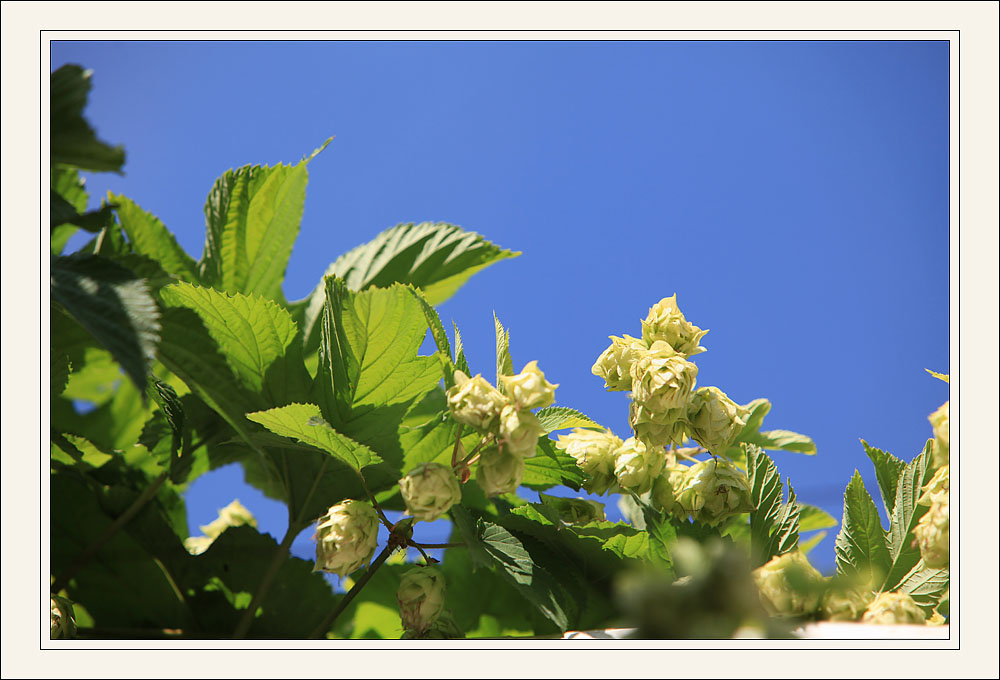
(253, 215)
(515, 564)
(113, 305)
(551, 467)
(505, 365)
(861, 548)
(925, 585)
(812, 518)
(440, 339)
(253, 333)
(782, 440)
(774, 526)
(369, 371)
(59, 373)
(66, 182)
(149, 237)
(434, 257)
(807, 545)
(189, 350)
(887, 471)
(461, 363)
(73, 141)
(304, 423)
(905, 515)
(562, 417)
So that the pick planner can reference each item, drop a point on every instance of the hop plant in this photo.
(637, 465)
(519, 431)
(615, 362)
(662, 381)
(716, 420)
(346, 537)
(715, 490)
(893, 609)
(429, 491)
(499, 472)
(939, 421)
(529, 389)
(789, 585)
(667, 488)
(474, 402)
(594, 453)
(444, 628)
(421, 597)
(659, 429)
(666, 323)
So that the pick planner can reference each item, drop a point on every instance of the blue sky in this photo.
(794, 195)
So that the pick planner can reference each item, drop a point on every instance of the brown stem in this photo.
(265, 582)
(70, 571)
(327, 623)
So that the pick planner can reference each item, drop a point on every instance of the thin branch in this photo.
(437, 546)
(280, 555)
(327, 623)
(69, 572)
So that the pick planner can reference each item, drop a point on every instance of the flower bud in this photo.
(667, 488)
(499, 472)
(789, 585)
(636, 465)
(666, 322)
(933, 533)
(529, 388)
(662, 380)
(715, 490)
(346, 537)
(62, 624)
(421, 598)
(716, 420)
(475, 402)
(519, 431)
(939, 421)
(893, 609)
(444, 628)
(595, 455)
(233, 515)
(430, 490)
(615, 362)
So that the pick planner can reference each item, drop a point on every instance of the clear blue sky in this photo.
(794, 195)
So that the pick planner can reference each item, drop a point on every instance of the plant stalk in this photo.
(70, 571)
(327, 623)
(265, 582)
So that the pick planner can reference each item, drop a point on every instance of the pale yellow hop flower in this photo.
(346, 537)
(615, 362)
(233, 515)
(715, 419)
(662, 380)
(474, 401)
(529, 389)
(594, 453)
(666, 323)
(942, 439)
(421, 596)
(893, 609)
(789, 585)
(714, 491)
(499, 472)
(637, 465)
(519, 431)
(429, 491)
(933, 531)
(667, 488)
